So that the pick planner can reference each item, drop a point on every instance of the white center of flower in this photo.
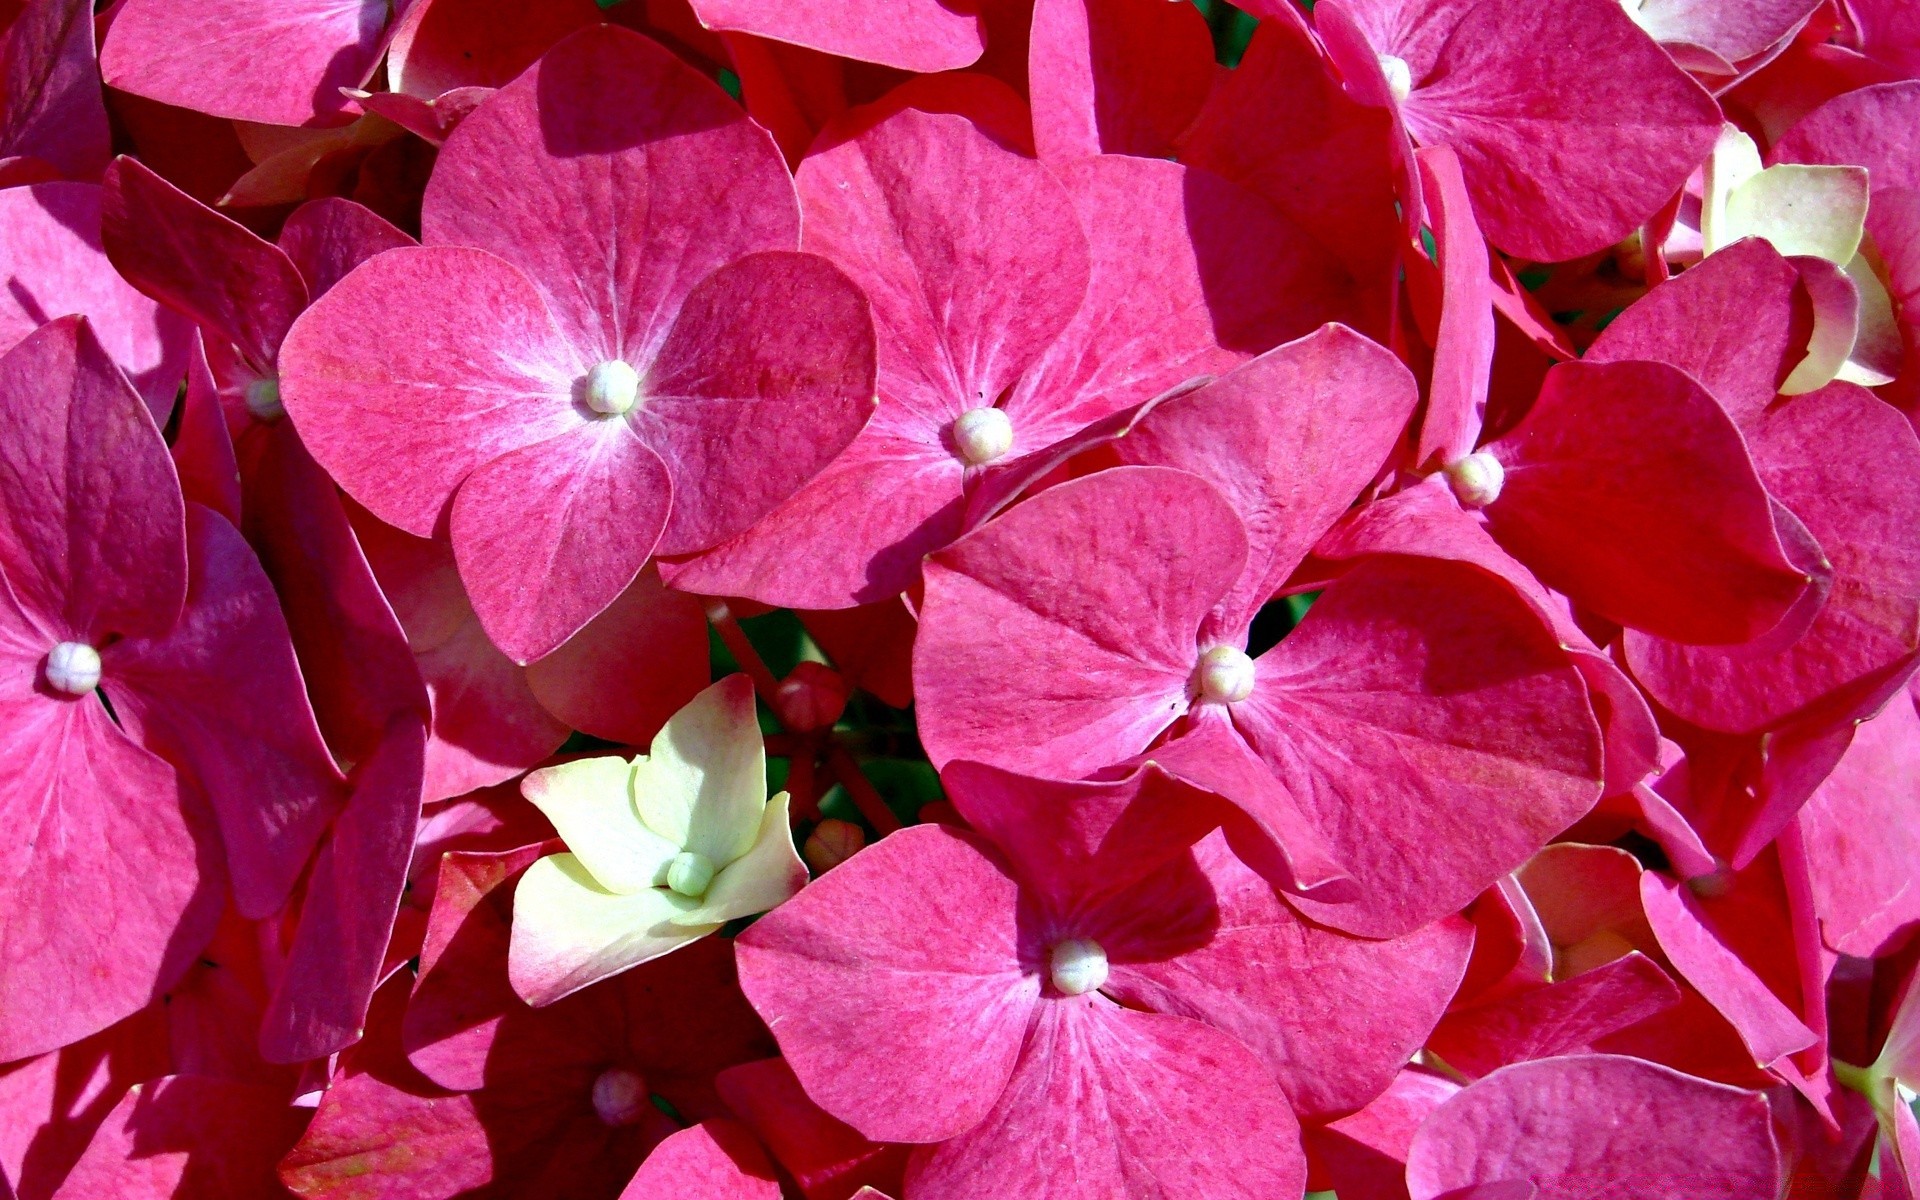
(612, 387)
(1476, 480)
(73, 668)
(620, 1096)
(263, 399)
(689, 874)
(1399, 76)
(1078, 966)
(1224, 676)
(982, 435)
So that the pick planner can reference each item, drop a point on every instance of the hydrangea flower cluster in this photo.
(949, 599)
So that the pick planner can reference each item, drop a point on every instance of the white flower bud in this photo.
(689, 874)
(1078, 966)
(612, 387)
(1476, 480)
(73, 668)
(1225, 676)
(982, 435)
(1399, 76)
(620, 1097)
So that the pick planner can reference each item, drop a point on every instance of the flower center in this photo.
(1224, 676)
(263, 399)
(620, 1096)
(982, 435)
(1476, 479)
(1078, 966)
(73, 668)
(1399, 76)
(612, 387)
(689, 874)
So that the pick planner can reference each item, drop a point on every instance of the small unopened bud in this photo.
(812, 697)
(690, 874)
(612, 387)
(1399, 76)
(831, 843)
(263, 399)
(1225, 676)
(620, 1097)
(982, 435)
(73, 668)
(1078, 966)
(1476, 480)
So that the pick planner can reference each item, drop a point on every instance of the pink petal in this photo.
(1304, 999)
(1564, 1017)
(1116, 76)
(347, 913)
(365, 373)
(1141, 1104)
(1464, 734)
(328, 237)
(90, 810)
(1733, 31)
(1045, 648)
(549, 535)
(222, 696)
(940, 959)
(717, 1159)
(1464, 339)
(1289, 470)
(91, 531)
(441, 45)
(825, 1157)
(203, 451)
(1869, 127)
(871, 647)
(590, 682)
(766, 376)
(487, 724)
(1366, 1152)
(913, 35)
(50, 106)
(50, 241)
(1630, 489)
(229, 58)
(1845, 464)
(613, 274)
(184, 1135)
(1862, 844)
(164, 241)
(1589, 1126)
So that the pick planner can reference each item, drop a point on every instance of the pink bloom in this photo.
(603, 360)
(1014, 305)
(52, 118)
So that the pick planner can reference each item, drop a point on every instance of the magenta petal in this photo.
(1848, 466)
(591, 683)
(1463, 734)
(440, 46)
(1116, 76)
(50, 105)
(347, 913)
(1598, 1125)
(55, 264)
(91, 528)
(1288, 469)
(203, 451)
(1141, 1104)
(366, 371)
(1728, 322)
(714, 1160)
(1871, 127)
(913, 35)
(86, 804)
(1366, 1152)
(1305, 1000)
(234, 59)
(1733, 31)
(1060, 638)
(766, 375)
(939, 961)
(1862, 843)
(1630, 489)
(548, 536)
(330, 236)
(222, 695)
(186, 1135)
(1572, 127)
(198, 262)
(1564, 1017)
(617, 210)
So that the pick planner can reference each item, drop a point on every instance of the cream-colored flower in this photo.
(663, 850)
